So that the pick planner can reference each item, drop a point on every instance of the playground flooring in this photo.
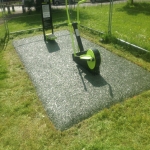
(68, 92)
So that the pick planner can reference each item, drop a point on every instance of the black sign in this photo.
(46, 16)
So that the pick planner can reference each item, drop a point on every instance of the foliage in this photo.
(107, 38)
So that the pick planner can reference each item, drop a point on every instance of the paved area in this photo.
(69, 93)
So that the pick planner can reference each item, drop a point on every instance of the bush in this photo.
(107, 38)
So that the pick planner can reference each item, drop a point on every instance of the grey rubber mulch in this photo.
(69, 93)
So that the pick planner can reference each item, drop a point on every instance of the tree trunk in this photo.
(131, 2)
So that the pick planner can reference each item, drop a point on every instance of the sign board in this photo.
(46, 16)
(46, 11)
(47, 20)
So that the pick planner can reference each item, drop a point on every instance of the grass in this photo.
(130, 23)
(136, 33)
(2, 40)
(26, 21)
(139, 58)
(25, 125)
(3, 71)
(2, 32)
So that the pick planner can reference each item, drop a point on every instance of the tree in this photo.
(131, 2)
(38, 5)
(29, 3)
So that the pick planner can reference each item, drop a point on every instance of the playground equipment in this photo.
(89, 59)
(47, 23)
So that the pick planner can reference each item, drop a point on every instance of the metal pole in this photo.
(110, 17)
(5, 21)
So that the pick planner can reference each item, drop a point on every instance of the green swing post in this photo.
(89, 59)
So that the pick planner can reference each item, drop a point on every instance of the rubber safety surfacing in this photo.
(69, 93)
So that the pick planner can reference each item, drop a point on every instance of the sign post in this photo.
(46, 13)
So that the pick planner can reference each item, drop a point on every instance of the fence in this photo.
(132, 31)
(29, 19)
(26, 21)
(125, 28)
(94, 16)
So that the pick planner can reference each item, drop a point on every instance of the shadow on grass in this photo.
(3, 41)
(3, 67)
(3, 71)
(136, 8)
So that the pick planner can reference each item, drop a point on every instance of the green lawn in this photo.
(130, 23)
(24, 124)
